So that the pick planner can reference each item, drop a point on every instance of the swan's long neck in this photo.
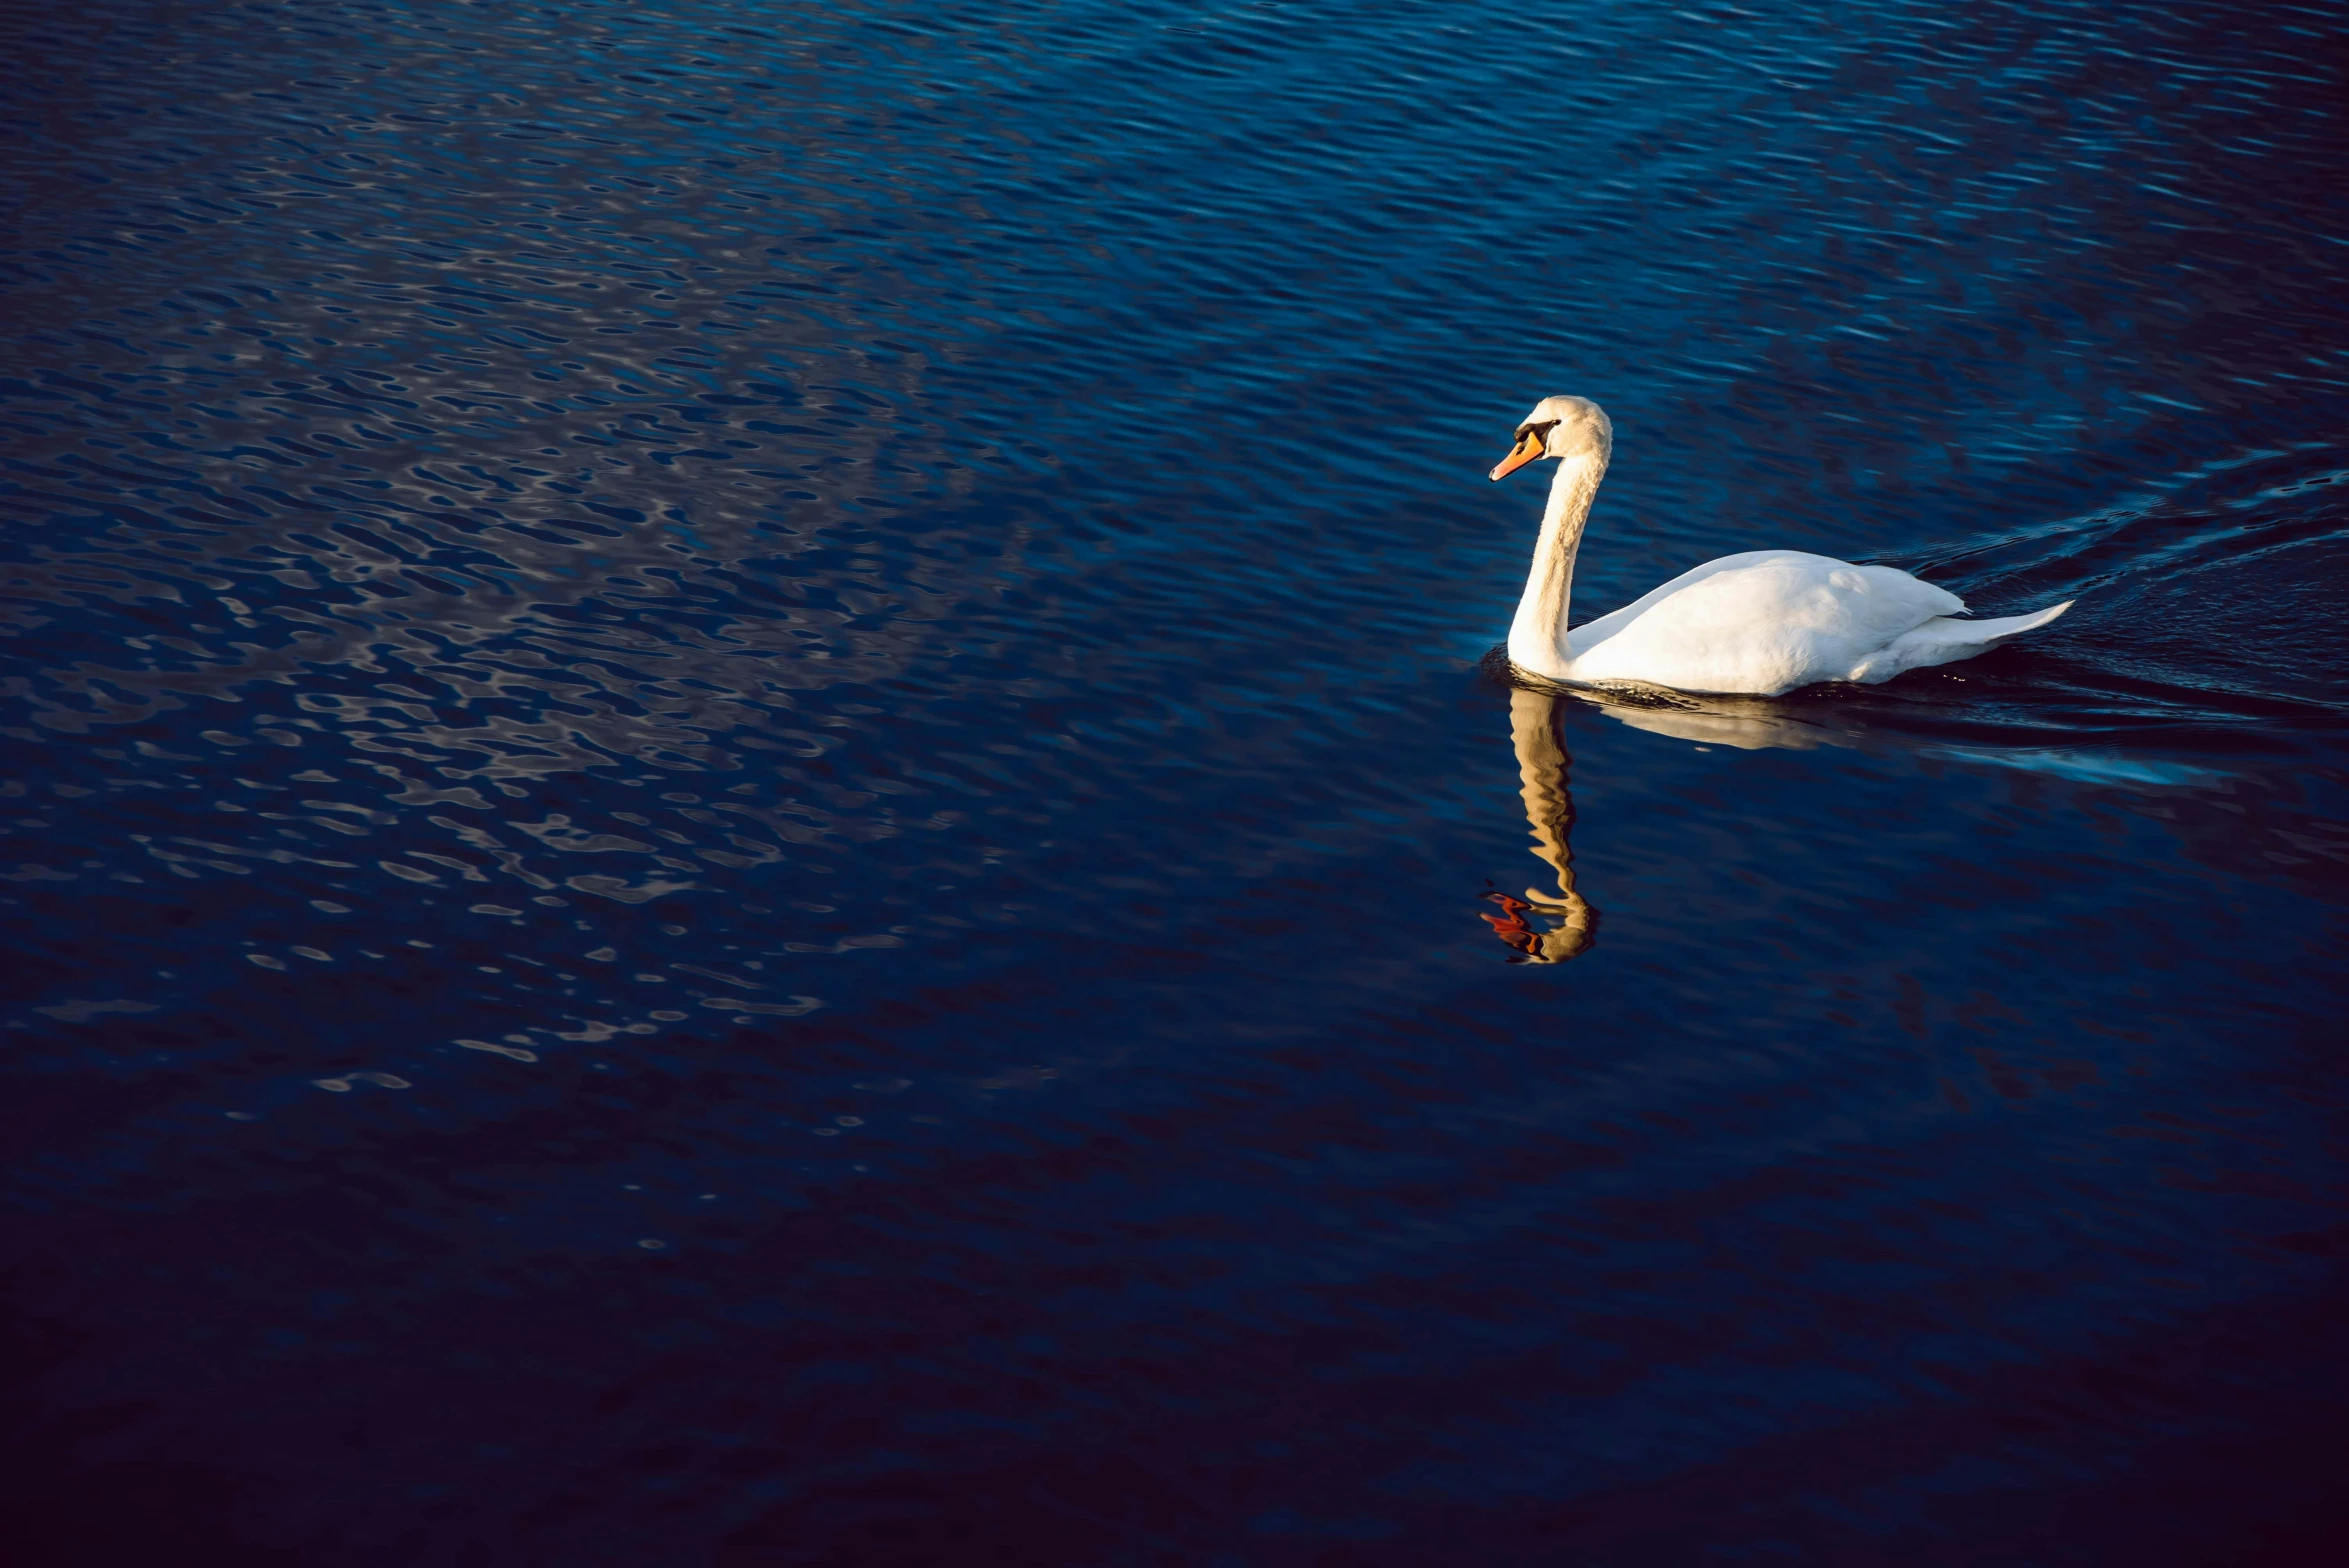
(1537, 638)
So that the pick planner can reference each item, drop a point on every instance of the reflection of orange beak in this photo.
(1528, 447)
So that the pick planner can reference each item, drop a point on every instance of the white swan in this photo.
(1760, 623)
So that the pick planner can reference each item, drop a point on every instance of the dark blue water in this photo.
(755, 802)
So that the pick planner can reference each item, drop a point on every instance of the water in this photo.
(755, 804)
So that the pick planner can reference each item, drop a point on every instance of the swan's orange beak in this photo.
(1528, 447)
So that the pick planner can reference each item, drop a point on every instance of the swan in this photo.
(1758, 624)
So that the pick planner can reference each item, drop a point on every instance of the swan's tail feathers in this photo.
(1983, 634)
(1946, 639)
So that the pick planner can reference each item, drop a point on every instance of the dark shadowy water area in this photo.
(757, 818)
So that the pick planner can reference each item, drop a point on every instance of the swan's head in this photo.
(1559, 427)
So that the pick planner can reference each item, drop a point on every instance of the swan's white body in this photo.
(1760, 623)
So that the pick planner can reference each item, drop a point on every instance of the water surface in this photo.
(755, 796)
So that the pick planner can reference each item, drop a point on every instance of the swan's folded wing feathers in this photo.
(1593, 632)
(1763, 622)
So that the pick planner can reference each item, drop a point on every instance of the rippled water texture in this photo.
(756, 819)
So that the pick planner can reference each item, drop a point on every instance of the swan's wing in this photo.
(1762, 622)
(1591, 633)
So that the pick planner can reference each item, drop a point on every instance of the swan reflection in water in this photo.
(1552, 927)
(1544, 927)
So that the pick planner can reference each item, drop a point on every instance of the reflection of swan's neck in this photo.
(1541, 778)
(1542, 773)
(1537, 638)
